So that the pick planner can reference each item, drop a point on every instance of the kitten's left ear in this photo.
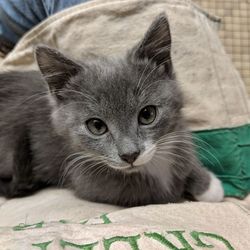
(55, 67)
(155, 47)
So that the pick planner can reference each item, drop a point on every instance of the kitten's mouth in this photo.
(123, 168)
(132, 168)
(126, 168)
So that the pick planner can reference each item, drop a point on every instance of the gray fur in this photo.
(44, 118)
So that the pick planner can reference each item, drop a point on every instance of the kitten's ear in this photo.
(155, 47)
(55, 67)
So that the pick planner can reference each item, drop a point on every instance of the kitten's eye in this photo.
(96, 126)
(147, 115)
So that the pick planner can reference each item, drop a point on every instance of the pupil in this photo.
(146, 114)
(97, 124)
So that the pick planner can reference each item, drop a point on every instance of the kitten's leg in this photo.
(4, 186)
(203, 185)
(21, 182)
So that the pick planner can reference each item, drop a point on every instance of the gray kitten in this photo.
(110, 129)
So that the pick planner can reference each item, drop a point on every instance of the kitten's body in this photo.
(48, 127)
(29, 109)
(25, 107)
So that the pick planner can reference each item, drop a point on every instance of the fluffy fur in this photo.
(44, 139)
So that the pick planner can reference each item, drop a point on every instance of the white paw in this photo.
(214, 193)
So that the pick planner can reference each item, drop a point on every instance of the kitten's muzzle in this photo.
(131, 157)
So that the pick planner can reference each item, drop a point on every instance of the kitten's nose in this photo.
(130, 158)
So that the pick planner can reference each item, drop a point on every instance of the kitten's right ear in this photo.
(155, 47)
(56, 69)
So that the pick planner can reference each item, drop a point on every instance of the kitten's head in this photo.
(117, 109)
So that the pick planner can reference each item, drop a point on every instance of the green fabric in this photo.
(226, 152)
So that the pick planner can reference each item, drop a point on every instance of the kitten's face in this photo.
(117, 109)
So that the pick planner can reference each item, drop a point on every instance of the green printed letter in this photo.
(178, 234)
(21, 227)
(42, 246)
(105, 219)
(82, 247)
(197, 237)
(132, 240)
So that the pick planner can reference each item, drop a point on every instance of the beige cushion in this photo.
(55, 217)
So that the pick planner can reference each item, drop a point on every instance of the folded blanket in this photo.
(54, 219)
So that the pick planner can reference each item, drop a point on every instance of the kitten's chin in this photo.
(127, 169)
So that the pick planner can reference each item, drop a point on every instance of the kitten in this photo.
(110, 129)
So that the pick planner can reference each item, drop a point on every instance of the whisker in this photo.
(183, 134)
(82, 158)
(149, 62)
(166, 148)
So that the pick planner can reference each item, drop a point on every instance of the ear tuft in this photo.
(55, 67)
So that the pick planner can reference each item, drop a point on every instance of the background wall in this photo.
(234, 31)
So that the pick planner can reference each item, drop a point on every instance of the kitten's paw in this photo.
(214, 193)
